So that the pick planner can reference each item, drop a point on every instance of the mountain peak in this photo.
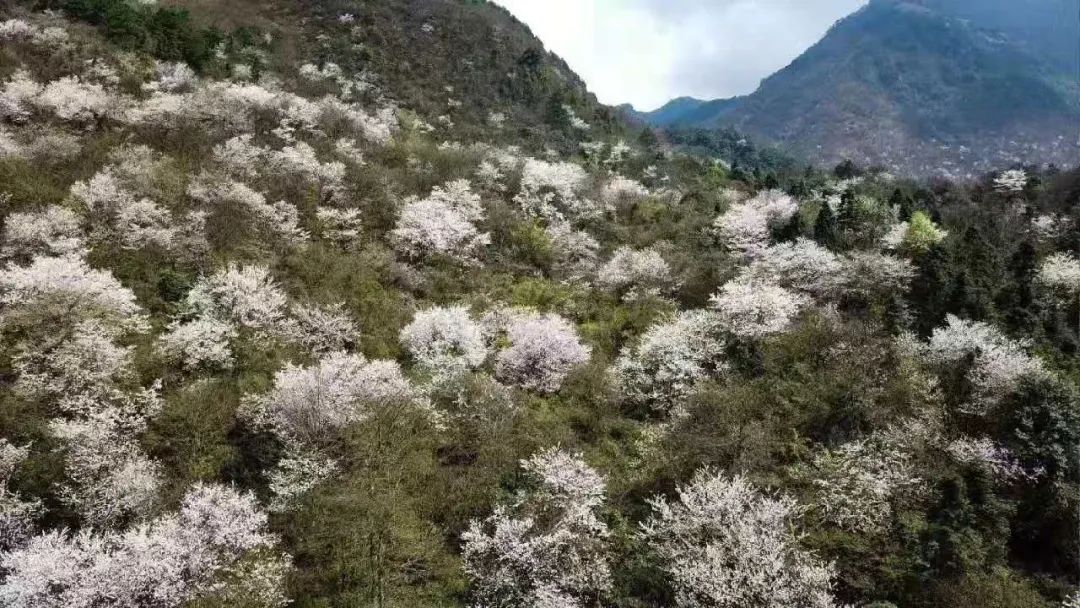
(918, 85)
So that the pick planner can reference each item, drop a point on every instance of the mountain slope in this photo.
(923, 87)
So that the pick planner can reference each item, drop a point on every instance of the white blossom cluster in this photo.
(998, 363)
(1011, 181)
(52, 231)
(553, 191)
(547, 548)
(216, 308)
(724, 544)
(76, 367)
(281, 219)
(215, 546)
(18, 30)
(803, 266)
(543, 349)
(70, 99)
(992, 458)
(340, 226)
(875, 276)
(857, 484)
(669, 359)
(636, 273)
(17, 515)
(119, 215)
(309, 406)
(66, 289)
(443, 224)
(445, 341)
(747, 226)
(621, 188)
(1061, 273)
(754, 310)
(574, 252)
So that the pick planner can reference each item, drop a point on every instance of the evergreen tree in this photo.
(826, 230)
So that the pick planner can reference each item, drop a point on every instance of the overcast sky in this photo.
(648, 51)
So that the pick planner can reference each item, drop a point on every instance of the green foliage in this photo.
(165, 33)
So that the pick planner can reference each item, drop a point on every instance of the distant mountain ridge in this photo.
(921, 87)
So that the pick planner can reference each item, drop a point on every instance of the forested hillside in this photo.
(951, 88)
(369, 303)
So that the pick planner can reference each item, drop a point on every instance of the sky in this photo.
(647, 52)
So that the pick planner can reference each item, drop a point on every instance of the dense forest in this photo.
(370, 303)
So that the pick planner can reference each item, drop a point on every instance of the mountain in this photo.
(666, 114)
(922, 87)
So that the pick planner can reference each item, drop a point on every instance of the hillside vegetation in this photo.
(343, 304)
(950, 88)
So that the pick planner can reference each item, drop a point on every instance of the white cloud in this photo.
(649, 51)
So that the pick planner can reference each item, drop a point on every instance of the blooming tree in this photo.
(803, 266)
(725, 544)
(65, 289)
(442, 224)
(636, 274)
(873, 276)
(245, 295)
(309, 404)
(857, 483)
(553, 191)
(997, 363)
(17, 514)
(202, 343)
(445, 340)
(747, 226)
(548, 547)
(321, 329)
(755, 310)
(52, 231)
(216, 546)
(543, 350)
(661, 370)
(109, 478)
(1060, 273)
(1013, 180)
(574, 251)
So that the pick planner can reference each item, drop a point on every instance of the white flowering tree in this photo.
(322, 329)
(803, 266)
(574, 252)
(553, 191)
(216, 546)
(52, 231)
(110, 480)
(548, 547)
(874, 277)
(443, 224)
(308, 407)
(1060, 273)
(543, 349)
(724, 544)
(755, 310)
(202, 343)
(997, 362)
(669, 359)
(747, 226)
(857, 484)
(60, 291)
(1011, 181)
(17, 515)
(245, 295)
(445, 341)
(636, 274)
